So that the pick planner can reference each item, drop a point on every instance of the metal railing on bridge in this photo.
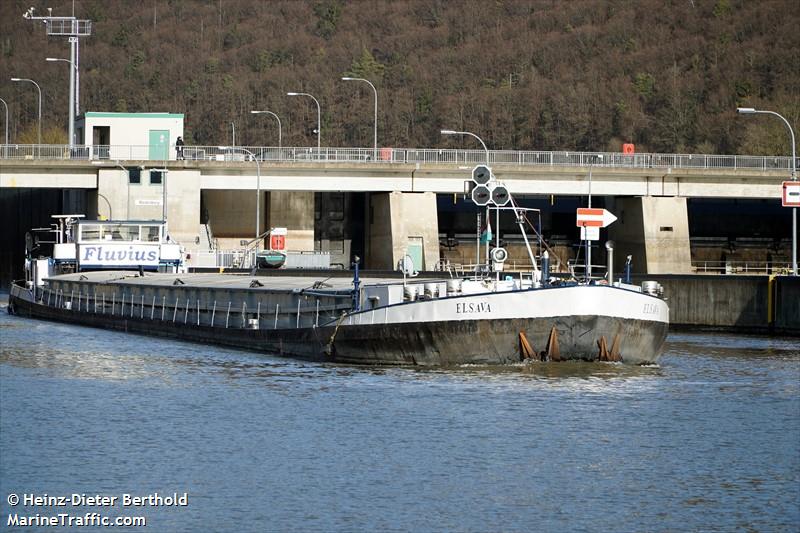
(390, 155)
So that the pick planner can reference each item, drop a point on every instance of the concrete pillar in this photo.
(295, 212)
(399, 223)
(113, 195)
(118, 199)
(655, 231)
(183, 207)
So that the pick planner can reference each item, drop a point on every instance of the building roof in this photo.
(95, 114)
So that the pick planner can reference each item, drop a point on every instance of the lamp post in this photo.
(279, 125)
(40, 104)
(319, 115)
(585, 231)
(72, 106)
(497, 229)
(375, 134)
(752, 111)
(258, 184)
(6, 106)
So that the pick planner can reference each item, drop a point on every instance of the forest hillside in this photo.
(666, 75)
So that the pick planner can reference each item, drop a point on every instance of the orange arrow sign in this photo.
(599, 218)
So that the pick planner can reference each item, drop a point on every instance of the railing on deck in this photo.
(741, 267)
(392, 155)
(194, 311)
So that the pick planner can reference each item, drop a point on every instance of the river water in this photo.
(708, 440)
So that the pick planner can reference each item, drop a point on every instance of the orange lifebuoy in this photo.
(628, 148)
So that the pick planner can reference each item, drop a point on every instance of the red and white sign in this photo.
(277, 239)
(599, 218)
(791, 194)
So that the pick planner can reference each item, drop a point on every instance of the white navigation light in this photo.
(499, 255)
(500, 195)
(482, 174)
(481, 195)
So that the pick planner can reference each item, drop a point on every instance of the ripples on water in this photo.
(708, 440)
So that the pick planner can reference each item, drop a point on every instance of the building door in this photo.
(159, 144)
(101, 139)
(415, 251)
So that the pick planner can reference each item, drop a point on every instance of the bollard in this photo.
(628, 269)
(545, 269)
(610, 253)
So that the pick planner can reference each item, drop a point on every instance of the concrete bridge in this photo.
(649, 191)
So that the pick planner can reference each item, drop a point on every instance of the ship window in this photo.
(156, 177)
(134, 175)
(89, 232)
(118, 232)
(151, 233)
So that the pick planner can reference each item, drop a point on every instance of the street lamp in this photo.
(375, 91)
(258, 184)
(319, 120)
(40, 104)
(453, 132)
(752, 111)
(6, 106)
(72, 106)
(279, 125)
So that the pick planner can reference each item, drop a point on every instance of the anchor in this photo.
(614, 354)
(605, 354)
(526, 350)
(552, 353)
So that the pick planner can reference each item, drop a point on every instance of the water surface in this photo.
(707, 440)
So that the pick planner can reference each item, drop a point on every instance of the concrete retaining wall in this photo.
(738, 303)
(787, 304)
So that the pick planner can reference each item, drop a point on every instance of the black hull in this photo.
(447, 343)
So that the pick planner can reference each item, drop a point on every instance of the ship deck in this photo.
(232, 281)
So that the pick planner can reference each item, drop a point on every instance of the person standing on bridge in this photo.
(179, 147)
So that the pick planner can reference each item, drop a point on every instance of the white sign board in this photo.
(148, 201)
(118, 255)
(590, 233)
(791, 194)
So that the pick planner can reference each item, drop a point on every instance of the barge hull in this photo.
(435, 343)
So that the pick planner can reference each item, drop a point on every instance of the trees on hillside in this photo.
(524, 75)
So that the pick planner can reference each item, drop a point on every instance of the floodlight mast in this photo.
(73, 29)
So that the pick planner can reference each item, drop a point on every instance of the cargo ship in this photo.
(128, 276)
